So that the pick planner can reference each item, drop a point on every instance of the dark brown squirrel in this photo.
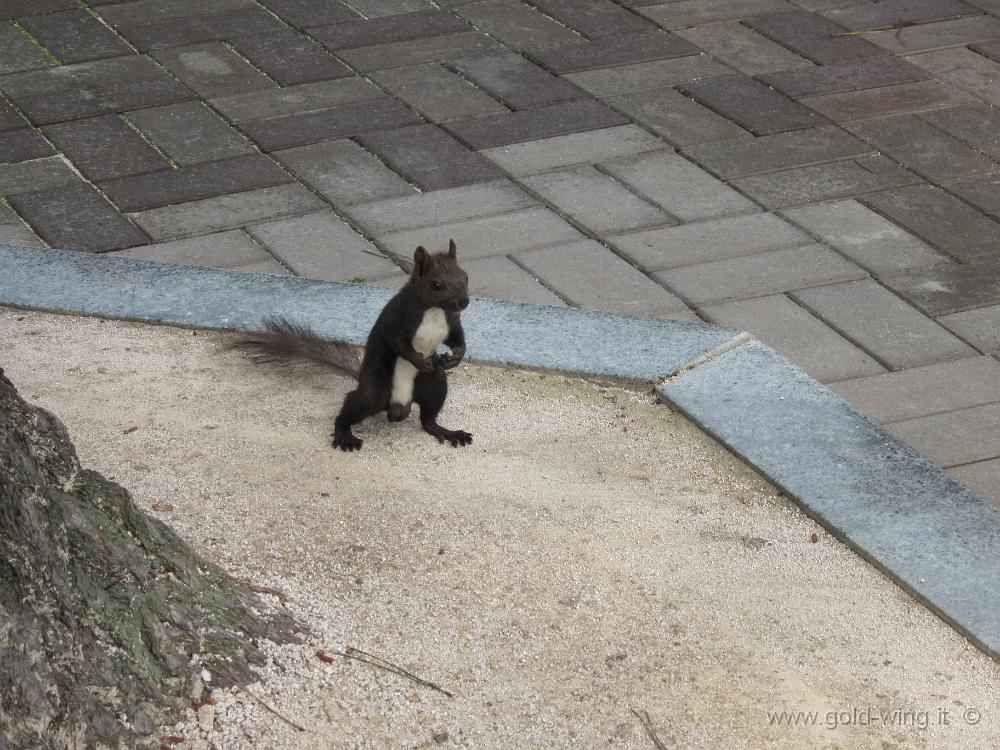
(400, 365)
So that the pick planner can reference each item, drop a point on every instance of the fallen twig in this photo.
(375, 661)
(269, 590)
(647, 724)
(895, 27)
(246, 690)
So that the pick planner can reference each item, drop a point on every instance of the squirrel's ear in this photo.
(421, 261)
(452, 250)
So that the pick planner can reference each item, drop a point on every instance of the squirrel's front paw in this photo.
(347, 441)
(451, 360)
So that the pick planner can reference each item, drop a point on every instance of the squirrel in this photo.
(399, 365)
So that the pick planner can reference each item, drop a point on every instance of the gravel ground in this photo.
(591, 555)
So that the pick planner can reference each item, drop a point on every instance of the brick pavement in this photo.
(822, 173)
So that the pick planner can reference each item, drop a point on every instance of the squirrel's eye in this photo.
(436, 285)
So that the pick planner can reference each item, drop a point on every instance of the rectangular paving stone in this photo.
(951, 288)
(981, 192)
(615, 50)
(898, 13)
(290, 59)
(675, 184)
(105, 147)
(759, 275)
(9, 118)
(18, 52)
(37, 174)
(743, 48)
(706, 241)
(797, 334)
(23, 144)
(17, 8)
(965, 69)
(519, 83)
(902, 99)
(308, 97)
(233, 249)
(839, 179)
(656, 74)
(527, 125)
(870, 240)
(343, 172)
(596, 201)
(214, 27)
(190, 133)
(955, 437)
(398, 28)
(593, 18)
(13, 231)
(278, 133)
(379, 8)
(154, 11)
(498, 277)
(676, 118)
(886, 326)
(226, 211)
(770, 153)
(689, 13)
(814, 37)
(302, 13)
(518, 26)
(433, 49)
(198, 181)
(591, 276)
(436, 93)
(213, 70)
(920, 391)
(591, 146)
(75, 36)
(867, 73)
(941, 219)
(989, 49)
(980, 327)
(76, 217)
(429, 157)
(931, 36)
(982, 477)
(752, 105)
(978, 126)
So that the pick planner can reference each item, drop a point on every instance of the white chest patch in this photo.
(431, 332)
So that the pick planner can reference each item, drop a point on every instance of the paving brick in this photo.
(37, 174)
(498, 277)
(743, 48)
(9, 118)
(616, 50)
(920, 391)
(290, 59)
(687, 13)
(770, 153)
(436, 93)
(759, 275)
(752, 105)
(433, 49)
(596, 201)
(105, 147)
(226, 211)
(902, 99)
(23, 144)
(922, 148)
(674, 183)
(308, 97)
(379, 8)
(494, 235)
(867, 73)
(519, 83)
(398, 28)
(233, 249)
(321, 245)
(840, 179)
(429, 157)
(979, 126)
(797, 334)
(707, 241)
(76, 217)
(882, 323)
(213, 70)
(154, 11)
(528, 125)
(980, 327)
(215, 27)
(518, 26)
(814, 37)
(576, 148)
(965, 69)
(18, 52)
(75, 36)
(930, 36)
(15, 232)
(624, 79)
(189, 133)
(593, 18)
(989, 49)
(982, 477)
(956, 437)
(440, 207)
(591, 276)
(302, 13)
(941, 219)
(19, 8)
(329, 124)
(948, 289)
(981, 192)
(343, 172)
(195, 182)
(676, 118)
(898, 13)
(871, 241)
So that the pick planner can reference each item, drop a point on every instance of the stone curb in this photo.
(908, 517)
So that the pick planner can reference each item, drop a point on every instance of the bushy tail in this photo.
(284, 341)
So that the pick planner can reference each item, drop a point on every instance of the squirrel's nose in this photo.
(463, 303)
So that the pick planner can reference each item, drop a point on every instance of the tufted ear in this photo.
(452, 250)
(422, 261)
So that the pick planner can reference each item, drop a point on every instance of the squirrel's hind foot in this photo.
(347, 441)
(455, 437)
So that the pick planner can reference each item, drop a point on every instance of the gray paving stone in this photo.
(951, 288)
(436, 93)
(898, 13)
(596, 201)
(956, 437)
(389, 29)
(797, 334)
(688, 13)
(979, 126)
(841, 179)
(676, 118)
(674, 183)
(521, 159)
(920, 391)
(9, 118)
(75, 36)
(759, 275)
(814, 37)
(440, 207)
(903, 99)
(343, 172)
(433, 49)
(930, 36)
(886, 326)
(989, 49)
(980, 327)
(321, 245)
(965, 69)
(941, 219)
(752, 105)
(293, 100)
(23, 144)
(770, 153)
(379, 8)
(226, 211)
(656, 74)
(589, 275)
(428, 156)
(13, 231)
(867, 73)
(593, 18)
(519, 83)
(290, 59)
(981, 192)
(18, 52)
(105, 147)
(202, 27)
(517, 26)
(154, 11)
(488, 131)
(498, 277)
(37, 174)
(213, 70)
(482, 237)
(982, 477)
(743, 48)
(18, 8)
(190, 133)
(871, 241)
(702, 242)
(615, 50)
(302, 13)
(233, 249)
